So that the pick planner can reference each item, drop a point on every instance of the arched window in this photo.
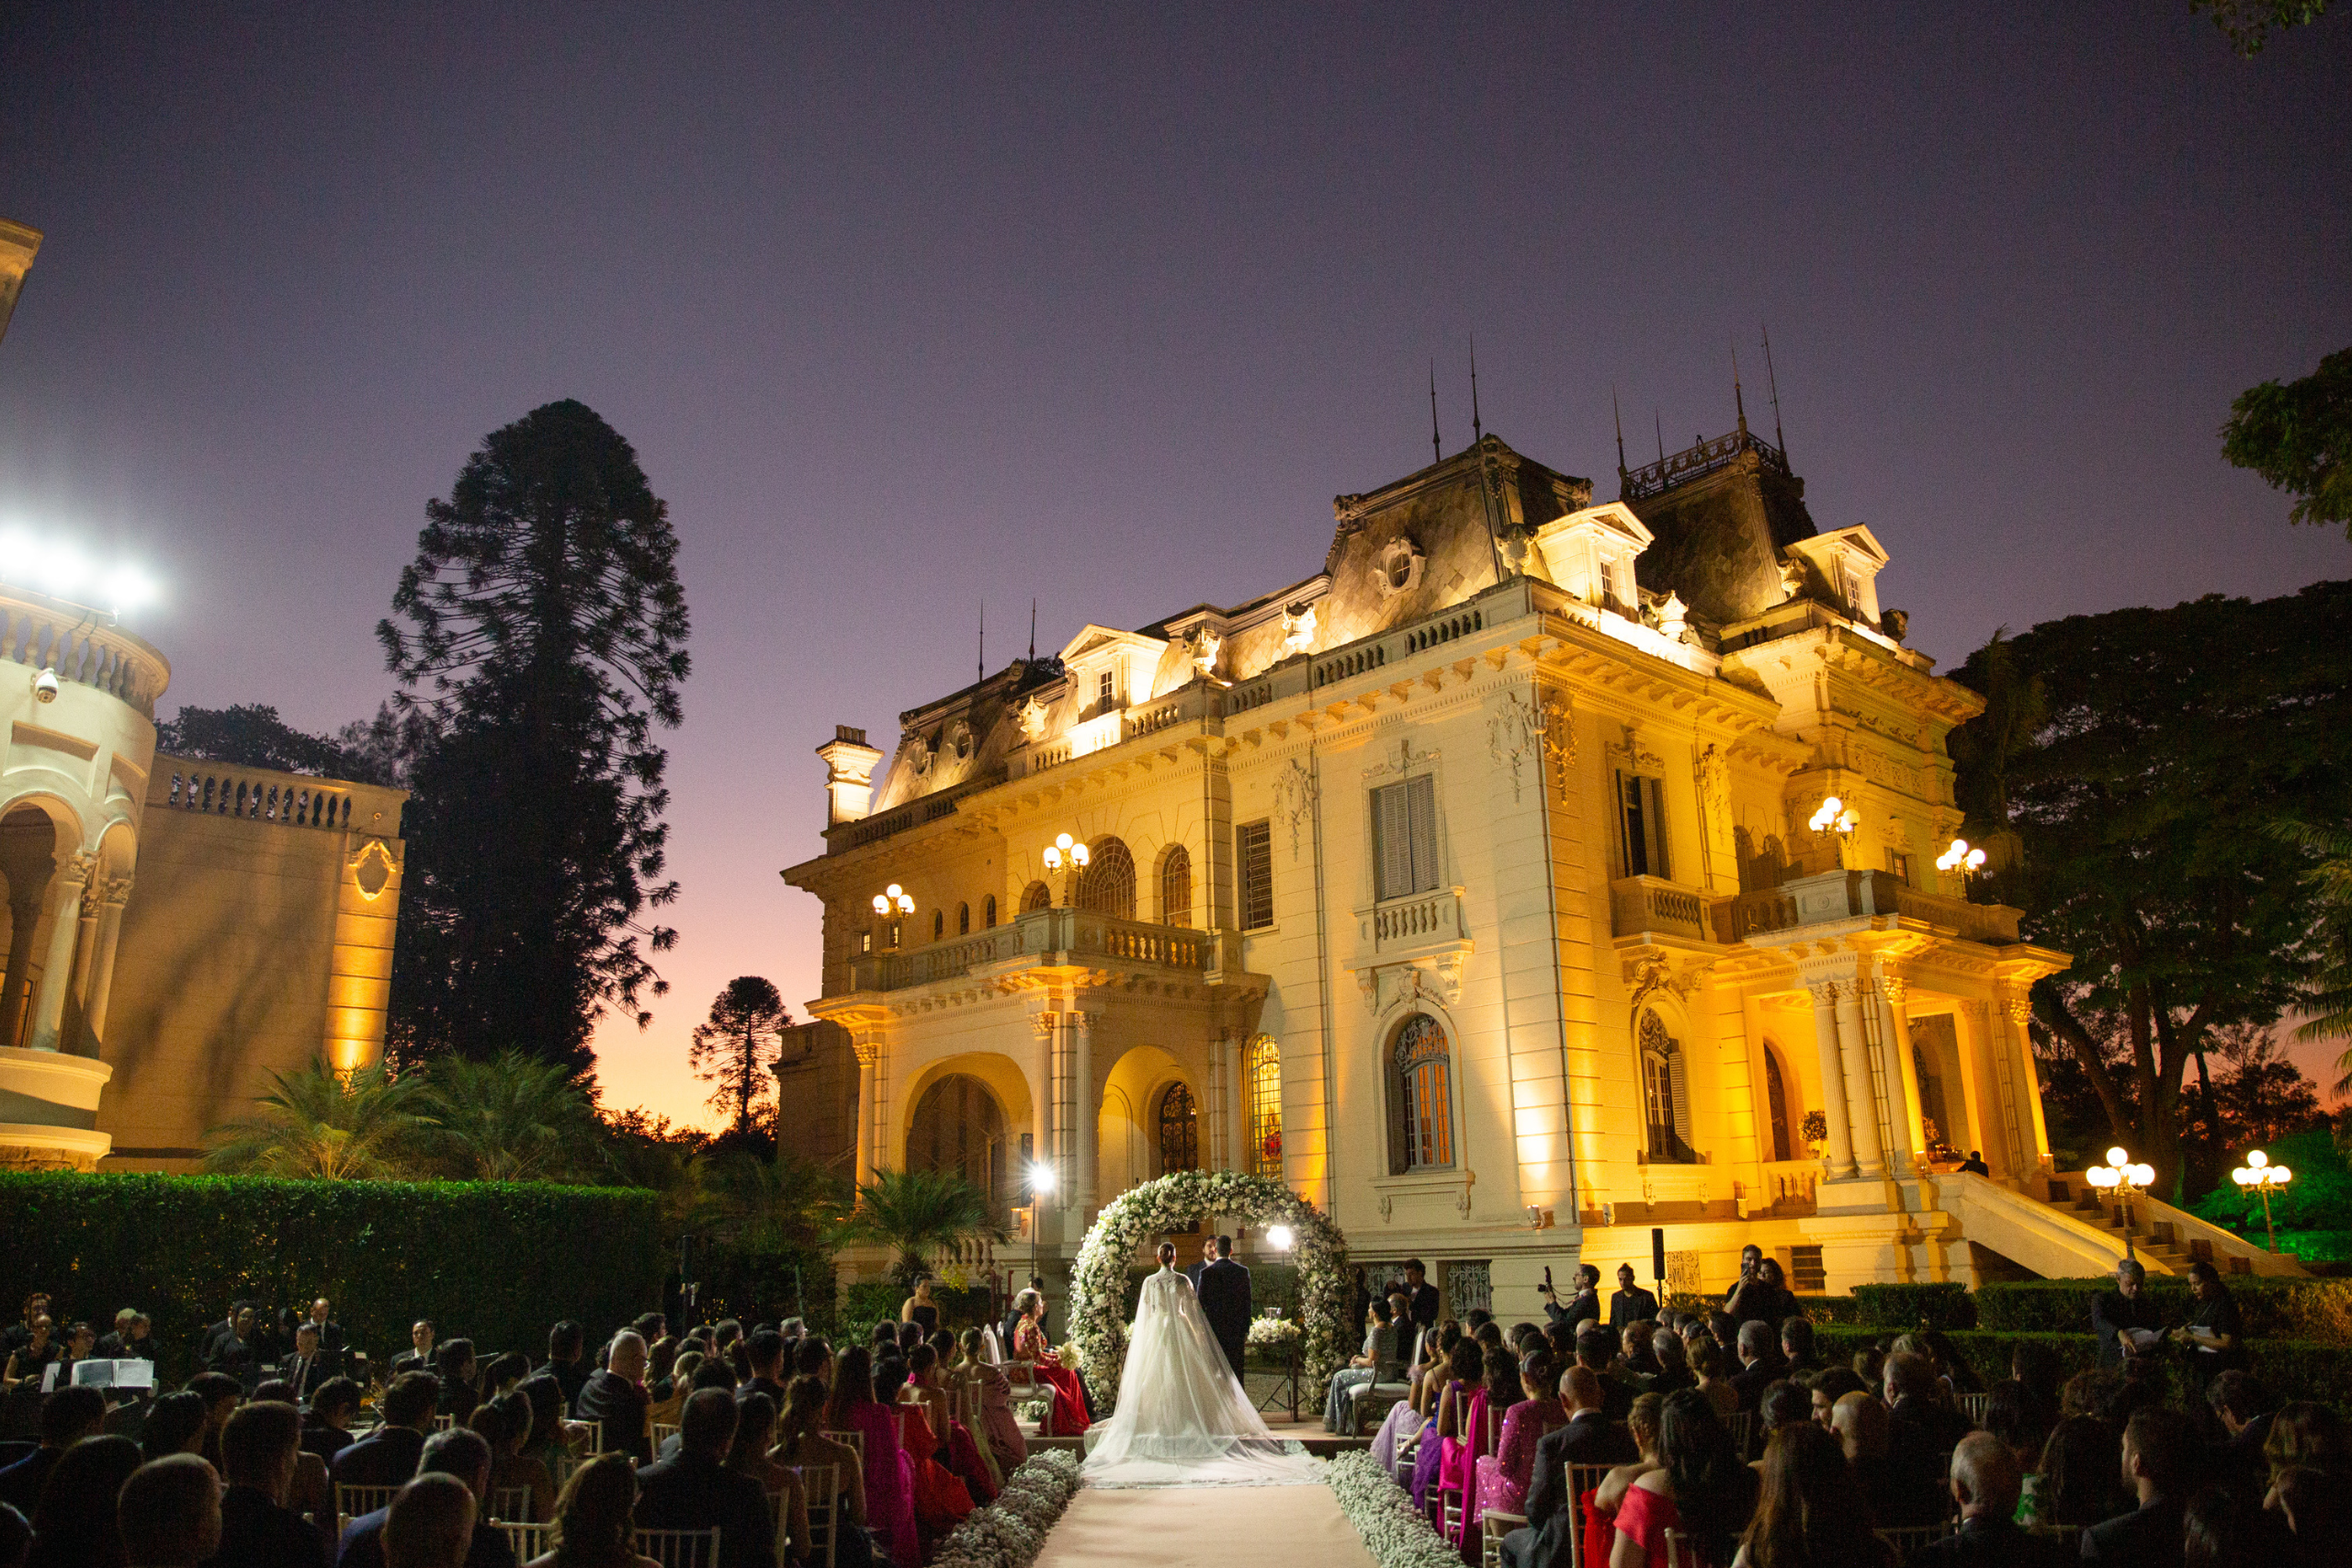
(1180, 1130)
(1261, 1072)
(1107, 886)
(987, 912)
(1776, 1098)
(1666, 1099)
(1036, 896)
(962, 920)
(1420, 1097)
(958, 1126)
(938, 924)
(1176, 887)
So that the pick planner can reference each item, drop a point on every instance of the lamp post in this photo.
(1041, 1183)
(1065, 851)
(1836, 817)
(893, 897)
(1960, 858)
(2123, 1177)
(2259, 1174)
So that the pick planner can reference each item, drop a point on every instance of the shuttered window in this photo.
(1404, 833)
(1253, 852)
(1640, 815)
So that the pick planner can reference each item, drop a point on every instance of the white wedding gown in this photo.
(1183, 1419)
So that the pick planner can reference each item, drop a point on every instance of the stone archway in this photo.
(1098, 1283)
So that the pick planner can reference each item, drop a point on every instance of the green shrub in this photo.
(2299, 1366)
(2319, 1311)
(1903, 1307)
(1830, 1309)
(497, 1262)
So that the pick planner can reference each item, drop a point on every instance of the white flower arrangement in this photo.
(1273, 1332)
(1099, 1279)
(1394, 1531)
(1010, 1532)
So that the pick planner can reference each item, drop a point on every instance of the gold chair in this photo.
(681, 1549)
(1492, 1526)
(527, 1539)
(510, 1505)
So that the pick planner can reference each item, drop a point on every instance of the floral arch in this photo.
(1098, 1283)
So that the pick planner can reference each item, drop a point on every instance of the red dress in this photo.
(940, 1500)
(1069, 1417)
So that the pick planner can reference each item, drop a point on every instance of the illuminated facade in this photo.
(1468, 886)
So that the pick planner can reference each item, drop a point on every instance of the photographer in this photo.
(1584, 1304)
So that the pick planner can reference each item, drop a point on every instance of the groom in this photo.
(1223, 1290)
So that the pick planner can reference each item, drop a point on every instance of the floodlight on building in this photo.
(1280, 1237)
(59, 569)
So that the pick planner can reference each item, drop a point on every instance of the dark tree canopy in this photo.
(737, 1046)
(538, 637)
(2248, 24)
(2297, 436)
(252, 736)
(2162, 746)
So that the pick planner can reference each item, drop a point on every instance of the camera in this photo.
(45, 686)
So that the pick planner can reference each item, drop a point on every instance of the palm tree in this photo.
(2328, 999)
(325, 1126)
(773, 1205)
(512, 1118)
(916, 1210)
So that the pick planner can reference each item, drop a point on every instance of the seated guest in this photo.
(1829, 1386)
(66, 1418)
(311, 1492)
(1700, 1489)
(1673, 1364)
(1588, 1437)
(461, 1455)
(504, 1423)
(1639, 1360)
(76, 1525)
(1985, 1481)
(2214, 1336)
(2312, 1507)
(1541, 1409)
(1363, 1368)
(503, 1373)
(595, 1518)
(431, 1524)
(259, 1448)
(1796, 1348)
(1760, 1362)
(388, 1456)
(1713, 1375)
(133, 1338)
(616, 1399)
(221, 1394)
(755, 1421)
(1921, 1435)
(764, 1352)
(2245, 1411)
(854, 1407)
(1861, 1423)
(567, 1360)
(457, 1370)
(999, 1427)
(326, 1430)
(2157, 1456)
(1592, 1349)
(175, 1425)
(2309, 1435)
(309, 1366)
(1808, 1514)
(168, 1513)
(418, 1357)
(696, 1491)
(2008, 1417)
(1786, 1403)
(553, 1441)
(802, 1444)
(2074, 1486)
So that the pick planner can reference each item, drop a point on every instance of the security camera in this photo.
(45, 686)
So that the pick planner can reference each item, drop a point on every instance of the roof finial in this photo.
(1617, 414)
(1437, 451)
(1736, 400)
(1033, 631)
(1777, 439)
(983, 639)
(1477, 431)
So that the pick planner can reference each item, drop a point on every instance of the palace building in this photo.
(1478, 886)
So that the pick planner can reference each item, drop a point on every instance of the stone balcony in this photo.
(42, 633)
(1060, 936)
(1648, 908)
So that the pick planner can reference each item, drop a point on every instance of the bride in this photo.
(1183, 1419)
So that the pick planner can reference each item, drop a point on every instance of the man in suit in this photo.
(1208, 1256)
(1630, 1303)
(1920, 1433)
(2121, 1312)
(616, 1398)
(332, 1344)
(1761, 1363)
(1595, 1351)
(1985, 1482)
(1225, 1302)
(257, 1531)
(764, 1351)
(568, 1361)
(2158, 1447)
(326, 1426)
(1426, 1302)
(1584, 1303)
(418, 1357)
(309, 1366)
(465, 1458)
(388, 1456)
(1587, 1438)
(66, 1418)
(696, 1490)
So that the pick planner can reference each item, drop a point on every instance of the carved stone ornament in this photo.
(1514, 545)
(1674, 619)
(919, 755)
(1436, 980)
(1403, 760)
(1712, 772)
(1397, 568)
(1559, 737)
(1791, 579)
(1516, 735)
(1298, 629)
(1632, 755)
(1202, 649)
(1295, 793)
(959, 740)
(1031, 718)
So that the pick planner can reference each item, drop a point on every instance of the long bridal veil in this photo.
(1183, 1419)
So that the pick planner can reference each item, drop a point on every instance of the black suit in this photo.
(325, 1441)
(2112, 1314)
(619, 1407)
(571, 1377)
(333, 1348)
(306, 1373)
(2147, 1537)
(1225, 1301)
(387, 1458)
(1920, 1438)
(1587, 1438)
(363, 1543)
(1635, 1306)
(1988, 1541)
(695, 1491)
(1750, 1383)
(258, 1533)
(1426, 1304)
(1584, 1304)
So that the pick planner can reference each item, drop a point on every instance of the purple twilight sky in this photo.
(909, 310)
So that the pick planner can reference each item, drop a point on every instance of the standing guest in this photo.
(1423, 1294)
(388, 1456)
(595, 1518)
(505, 1424)
(457, 1370)
(1751, 1259)
(168, 1513)
(458, 1454)
(616, 1399)
(2214, 1336)
(889, 1475)
(1985, 1481)
(802, 1443)
(1808, 1514)
(326, 1430)
(431, 1524)
(332, 1343)
(1585, 1304)
(76, 1525)
(1586, 1437)
(66, 1418)
(755, 1419)
(418, 1357)
(175, 1425)
(1760, 1362)
(919, 1308)
(1763, 1297)
(2125, 1318)
(1699, 1488)
(2156, 1454)
(567, 1360)
(696, 1491)
(258, 1449)
(1628, 1304)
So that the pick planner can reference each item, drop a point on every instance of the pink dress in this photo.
(1503, 1476)
(1647, 1516)
(1458, 1469)
(889, 1482)
(999, 1426)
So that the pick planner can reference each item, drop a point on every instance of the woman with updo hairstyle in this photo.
(1601, 1503)
(175, 1425)
(755, 1417)
(505, 1424)
(1465, 1373)
(890, 1470)
(595, 1522)
(999, 1427)
(1503, 1476)
(802, 1444)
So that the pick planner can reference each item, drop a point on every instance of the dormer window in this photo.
(1851, 584)
(1607, 581)
(1107, 690)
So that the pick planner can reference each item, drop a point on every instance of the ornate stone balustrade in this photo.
(1639, 906)
(216, 790)
(1851, 894)
(1045, 935)
(38, 632)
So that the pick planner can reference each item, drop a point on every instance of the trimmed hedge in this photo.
(1939, 1305)
(2319, 1311)
(496, 1262)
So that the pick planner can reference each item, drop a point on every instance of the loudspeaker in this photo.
(1658, 1254)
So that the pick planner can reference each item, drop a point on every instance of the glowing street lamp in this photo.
(2123, 1177)
(1041, 1187)
(893, 898)
(1834, 816)
(2260, 1175)
(1960, 858)
(1065, 851)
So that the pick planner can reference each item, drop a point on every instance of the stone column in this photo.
(1042, 1116)
(1863, 1093)
(1903, 1074)
(2021, 1117)
(1839, 1153)
(93, 1012)
(1218, 1156)
(1088, 1106)
(870, 1053)
(57, 972)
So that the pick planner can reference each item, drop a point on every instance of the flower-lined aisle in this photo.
(1010, 1532)
(1394, 1531)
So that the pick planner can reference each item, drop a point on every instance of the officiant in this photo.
(2122, 1316)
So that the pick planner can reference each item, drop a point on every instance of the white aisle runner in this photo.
(1208, 1527)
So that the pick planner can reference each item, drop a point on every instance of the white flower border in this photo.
(1010, 1532)
(1394, 1531)
(1099, 1281)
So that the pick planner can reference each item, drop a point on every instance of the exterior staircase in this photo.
(2061, 1231)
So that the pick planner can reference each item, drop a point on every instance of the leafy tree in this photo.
(2297, 436)
(316, 1124)
(2171, 739)
(736, 1044)
(2329, 999)
(512, 1118)
(538, 637)
(252, 736)
(918, 1211)
(2247, 24)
